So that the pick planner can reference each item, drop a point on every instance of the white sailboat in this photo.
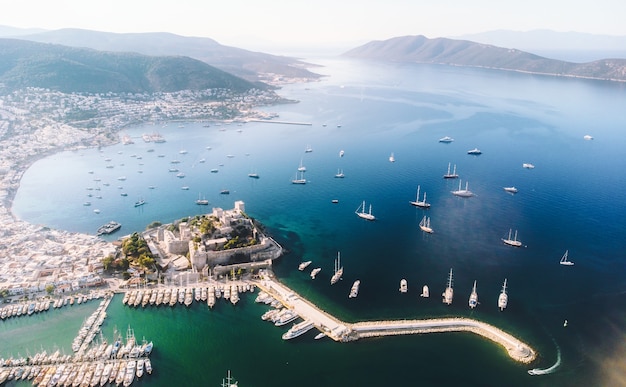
(512, 242)
(463, 193)
(202, 201)
(338, 270)
(564, 261)
(300, 180)
(392, 159)
(365, 215)
(448, 294)
(425, 225)
(473, 299)
(452, 175)
(417, 202)
(301, 168)
(308, 149)
(340, 174)
(503, 298)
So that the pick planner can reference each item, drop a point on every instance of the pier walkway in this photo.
(342, 331)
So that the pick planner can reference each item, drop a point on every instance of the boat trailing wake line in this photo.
(549, 370)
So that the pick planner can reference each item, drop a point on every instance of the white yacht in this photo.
(448, 294)
(403, 286)
(503, 298)
(452, 175)
(474, 151)
(340, 174)
(446, 139)
(417, 202)
(338, 270)
(510, 189)
(354, 291)
(564, 261)
(512, 242)
(300, 180)
(463, 193)
(315, 271)
(425, 225)
(365, 215)
(425, 292)
(528, 166)
(473, 299)
(298, 329)
(304, 265)
(392, 159)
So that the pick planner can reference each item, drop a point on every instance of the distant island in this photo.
(419, 49)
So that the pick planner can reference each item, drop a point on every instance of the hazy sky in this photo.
(333, 23)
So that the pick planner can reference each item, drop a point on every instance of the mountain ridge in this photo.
(68, 69)
(420, 49)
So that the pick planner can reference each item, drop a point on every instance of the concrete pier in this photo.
(342, 331)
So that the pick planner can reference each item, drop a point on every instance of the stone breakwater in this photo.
(516, 349)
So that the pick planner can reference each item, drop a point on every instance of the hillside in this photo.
(253, 66)
(30, 64)
(419, 49)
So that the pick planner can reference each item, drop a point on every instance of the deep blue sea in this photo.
(574, 199)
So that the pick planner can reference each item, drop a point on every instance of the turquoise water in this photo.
(573, 199)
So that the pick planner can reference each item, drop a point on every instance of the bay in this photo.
(573, 199)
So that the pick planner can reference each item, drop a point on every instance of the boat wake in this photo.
(549, 370)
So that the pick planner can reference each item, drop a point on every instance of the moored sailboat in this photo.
(365, 215)
(452, 175)
(463, 193)
(473, 299)
(564, 260)
(338, 270)
(503, 298)
(448, 294)
(512, 242)
(425, 225)
(417, 202)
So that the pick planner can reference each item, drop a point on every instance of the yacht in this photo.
(341, 153)
(338, 270)
(140, 202)
(417, 202)
(463, 193)
(474, 151)
(202, 201)
(315, 271)
(452, 175)
(229, 381)
(109, 228)
(510, 189)
(301, 168)
(304, 265)
(564, 261)
(588, 137)
(354, 291)
(253, 175)
(403, 286)
(528, 166)
(425, 225)
(365, 215)
(503, 298)
(300, 180)
(425, 292)
(448, 294)
(285, 317)
(340, 174)
(512, 242)
(473, 299)
(298, 329)
(392, 159)
(308, 149)
(446, 139)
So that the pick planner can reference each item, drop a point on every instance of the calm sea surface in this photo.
(575, 199)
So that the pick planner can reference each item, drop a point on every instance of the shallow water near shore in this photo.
(572, 200)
